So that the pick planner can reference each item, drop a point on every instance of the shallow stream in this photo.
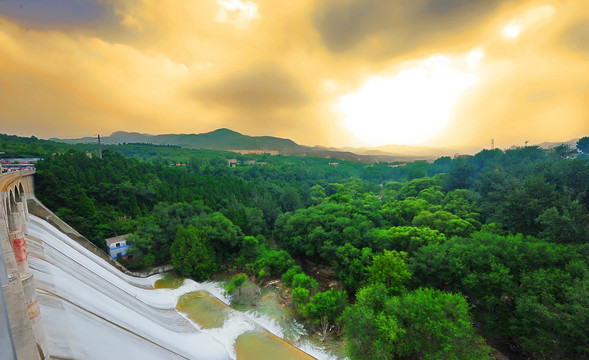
(268, 330)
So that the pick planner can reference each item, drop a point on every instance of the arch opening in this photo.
(16, 194)
(11, 202)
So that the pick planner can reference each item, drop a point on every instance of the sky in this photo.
(320, 72)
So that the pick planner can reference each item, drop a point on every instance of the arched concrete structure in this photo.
(18, 289)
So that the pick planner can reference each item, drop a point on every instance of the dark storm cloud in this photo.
(449, 6)
(261, 88)
(57, 14)
(577, 36)
(392, 27)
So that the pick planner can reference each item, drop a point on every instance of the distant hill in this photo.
(225, 139)
(420, 152)
(549, 145)
(221, 139)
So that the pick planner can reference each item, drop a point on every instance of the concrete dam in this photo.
(64, 298)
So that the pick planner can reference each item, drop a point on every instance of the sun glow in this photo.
(236, 12)
(529, 18)
(511, 31)
(411, 106)
(474, 57)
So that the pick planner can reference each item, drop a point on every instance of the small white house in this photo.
(117, 246)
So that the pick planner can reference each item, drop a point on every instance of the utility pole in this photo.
(492, 144)
(99, 148)
(526, 143)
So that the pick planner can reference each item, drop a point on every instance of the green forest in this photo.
(442, 260)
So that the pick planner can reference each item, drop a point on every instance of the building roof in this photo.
(116, 239)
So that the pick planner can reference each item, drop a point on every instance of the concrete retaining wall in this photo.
(157, 270)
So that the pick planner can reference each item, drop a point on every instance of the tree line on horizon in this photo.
(435, 260)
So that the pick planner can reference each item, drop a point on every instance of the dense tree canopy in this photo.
(522, 287)
(424, 323)
(421, 250)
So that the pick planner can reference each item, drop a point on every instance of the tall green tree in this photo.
(192, 255)
(352, 266)
(325, 311)
(390, 269)
(583, 144)
(409, 238)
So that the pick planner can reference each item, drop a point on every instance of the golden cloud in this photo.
(264, 67)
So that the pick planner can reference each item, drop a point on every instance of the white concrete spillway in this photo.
(90, 310)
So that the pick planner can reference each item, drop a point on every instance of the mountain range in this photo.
(225, 139)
